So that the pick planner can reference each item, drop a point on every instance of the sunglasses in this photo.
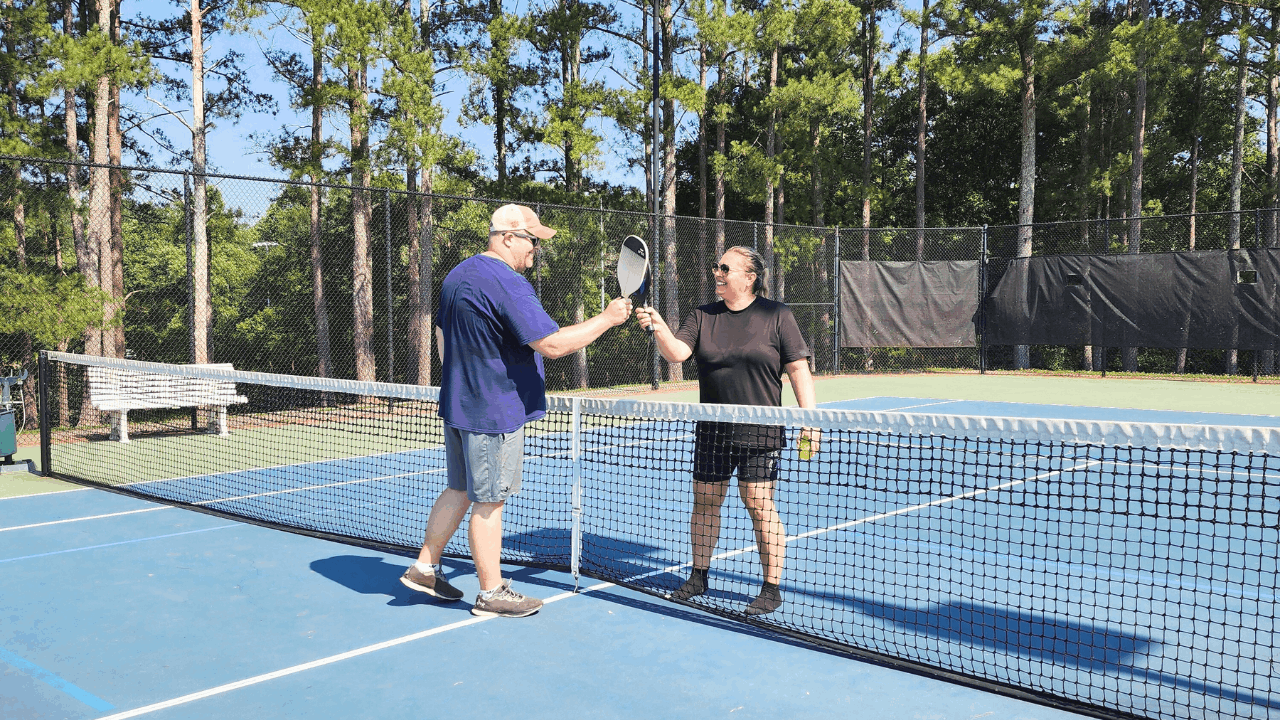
(531, 238)
(724, 269)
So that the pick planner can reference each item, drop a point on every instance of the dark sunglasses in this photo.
(531, 238)
(724, 269)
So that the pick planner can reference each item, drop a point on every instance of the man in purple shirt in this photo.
(493, 333)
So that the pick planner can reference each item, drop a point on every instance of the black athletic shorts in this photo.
(715, 462)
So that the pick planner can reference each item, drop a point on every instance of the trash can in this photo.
(8, 435)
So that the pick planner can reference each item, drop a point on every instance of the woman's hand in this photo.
(648, 316)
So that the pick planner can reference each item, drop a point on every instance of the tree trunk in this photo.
(1086, 174)
(1267, 356)
(1027, 174)
(426, 274)
(1237, 173)
(361, 267)
(202, 320)
(498, 92)
(771, 140)
(115, 143)
(1130, 355)
(704, 278)
(815, 171)
(100, 196)
(320, 309)
(720, 184)
(671, 273)
(780, 282)
(71, 117)
(1180, 365)
(922, 128)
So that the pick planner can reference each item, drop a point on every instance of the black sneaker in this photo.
(505, 603)
(434, 584)
(693, 587)
(770, 599)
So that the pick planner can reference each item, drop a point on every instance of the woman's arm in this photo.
(802, 384)
(801, 381)
(672, 349)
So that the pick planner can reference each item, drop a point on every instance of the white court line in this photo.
(921, 506)
(286, 491)
(321, 662)
(257, 679)
(928, 404)
(91, 517)
(42, 494)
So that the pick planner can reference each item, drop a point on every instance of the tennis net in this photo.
(1115, 569)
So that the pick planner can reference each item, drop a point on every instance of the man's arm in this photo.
(571, 339)
(440, 344)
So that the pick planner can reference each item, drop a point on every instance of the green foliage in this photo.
(47, 307)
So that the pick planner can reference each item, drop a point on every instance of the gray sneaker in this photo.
(434, 584)
(506, 603)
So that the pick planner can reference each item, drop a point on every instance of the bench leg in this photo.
(218, 421)
(120, 426)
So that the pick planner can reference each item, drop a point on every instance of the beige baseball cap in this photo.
(519, 217)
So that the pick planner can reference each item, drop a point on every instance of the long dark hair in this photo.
(761, 286)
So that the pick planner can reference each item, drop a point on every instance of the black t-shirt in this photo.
(741, 355)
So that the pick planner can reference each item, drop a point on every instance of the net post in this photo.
(575, 455)
(46, 450)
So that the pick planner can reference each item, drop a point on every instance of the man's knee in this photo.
(486, 510)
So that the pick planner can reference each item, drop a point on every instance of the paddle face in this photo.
(633, 268)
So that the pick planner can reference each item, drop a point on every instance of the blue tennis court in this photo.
(1059, 568)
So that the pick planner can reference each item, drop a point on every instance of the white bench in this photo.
(119, 391)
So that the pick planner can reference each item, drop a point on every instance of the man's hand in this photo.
(617, 311)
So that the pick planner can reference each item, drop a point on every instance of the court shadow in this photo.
(604, 556)
(376, 576)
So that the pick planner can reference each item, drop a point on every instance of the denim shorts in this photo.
(486, 467)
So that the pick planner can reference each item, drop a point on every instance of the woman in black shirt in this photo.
(743, 344)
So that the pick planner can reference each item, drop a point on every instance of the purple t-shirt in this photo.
(493, 381)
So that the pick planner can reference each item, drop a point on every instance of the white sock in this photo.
(488, 594)
(437, 569)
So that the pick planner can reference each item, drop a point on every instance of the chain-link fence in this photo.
(324, 279)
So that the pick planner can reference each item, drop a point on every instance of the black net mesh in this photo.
(1125, 569)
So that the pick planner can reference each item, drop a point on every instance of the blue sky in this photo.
(232, 149)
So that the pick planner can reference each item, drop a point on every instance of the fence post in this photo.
(46, 451)
(982, 301)
(655, 273)
(391, 317)
(835, 340)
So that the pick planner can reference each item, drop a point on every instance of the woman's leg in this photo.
(771, 536)
(704, 525)
(704, 532)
